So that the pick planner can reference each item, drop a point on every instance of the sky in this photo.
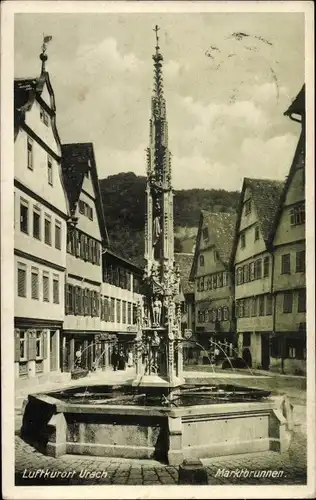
(225, 93)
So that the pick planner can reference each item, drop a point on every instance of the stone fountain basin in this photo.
(57, 425)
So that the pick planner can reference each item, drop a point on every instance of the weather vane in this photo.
(156, 29)
(46, 40)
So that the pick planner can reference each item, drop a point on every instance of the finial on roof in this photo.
(156, 29)
(43, 56)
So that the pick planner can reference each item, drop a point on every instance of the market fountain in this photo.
(155, 414)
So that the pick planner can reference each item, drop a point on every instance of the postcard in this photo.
(157, 223)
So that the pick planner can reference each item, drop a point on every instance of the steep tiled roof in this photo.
(75, 163)
(298, 105)
(266, 195)
(75, 159)
(221, 227)
(184, 261)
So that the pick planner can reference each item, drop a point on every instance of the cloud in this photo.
(106, 53)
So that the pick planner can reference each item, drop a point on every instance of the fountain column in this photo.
(160, 362)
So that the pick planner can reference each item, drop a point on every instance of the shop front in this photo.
(36, 348)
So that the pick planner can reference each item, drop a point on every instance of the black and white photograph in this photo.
(157, 220)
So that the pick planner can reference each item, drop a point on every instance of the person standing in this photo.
(130, 360)
(78, 357)
(114, 358)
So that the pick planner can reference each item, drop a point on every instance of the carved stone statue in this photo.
(157, 230)
(157, 306)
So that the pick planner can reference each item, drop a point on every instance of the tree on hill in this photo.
(123, 197)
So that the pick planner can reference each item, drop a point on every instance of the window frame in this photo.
(45, 276)
(23, 268)
(284, 261)
(30, 153)
(35, 272)
(58, 232)
(300, 263)
(257, 233)
(301, 301)
(48, 219)
(201, 260)
(50, 170)
(25, 204)
(287, 308)
(243, 240)
(56, 280)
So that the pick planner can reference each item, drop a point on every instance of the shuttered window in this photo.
(45, 286)
(57, 235)
(56, 289)
(34, 283)
(23, 346)
(39, 345)
(21, 280)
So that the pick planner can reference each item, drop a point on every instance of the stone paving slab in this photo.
(290, 467)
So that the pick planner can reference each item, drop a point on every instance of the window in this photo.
(269, 305)
(50, 170)
(286, 264)
(36, 223)
(45, 286)
(240, 276)
(39, 345)
(297, 215)
(254, 308)
(257, 233)
(216, 255)
(300, 261)
(24, 216)
(202, 284)
(21, 280)
(81, 206)
(246, 340)
(219, 314)
(261, 305)
(201, 260)
(34, 283)
(206, 315)
(124, 317)
(258, 269)
(129, 313)
(56, 289)
(29, 153)
(225, 278)
(225, 314)
(242, 240)
(23, 346)
(301, 306)
(44, 117)
(214, 315)
(205, 234)
(214, 281)
(219, 280)
(87, 174)
(266, 262)
(246, 308)
(57, 235)
(241, 308)
(90, 213)
(247, 206)
(287, 302)
(118, 311)
(246, 273)
(47, 230)
(252, 271)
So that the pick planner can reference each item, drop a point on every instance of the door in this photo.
(265, 351)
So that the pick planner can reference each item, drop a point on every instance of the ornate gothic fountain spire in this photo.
(159, 322)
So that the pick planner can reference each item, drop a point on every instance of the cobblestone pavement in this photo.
(101, 470)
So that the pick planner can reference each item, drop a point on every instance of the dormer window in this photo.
(44, 117)
(247, 207)
(201, 260)
(50, 170)
(205, 234)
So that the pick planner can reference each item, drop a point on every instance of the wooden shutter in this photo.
(31, 344)
(66, 299)
(16, 344)
(45, 340)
